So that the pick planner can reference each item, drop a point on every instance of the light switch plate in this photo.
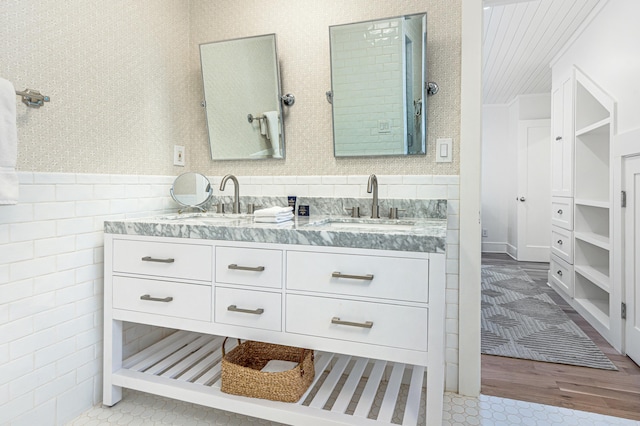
(178, 155)
(444, 150)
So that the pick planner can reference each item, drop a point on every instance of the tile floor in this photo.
(139, 408)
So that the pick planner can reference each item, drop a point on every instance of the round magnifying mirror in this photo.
(191, 190)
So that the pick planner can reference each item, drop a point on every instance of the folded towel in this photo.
(274, 219)
(272, 211)
(8, 144)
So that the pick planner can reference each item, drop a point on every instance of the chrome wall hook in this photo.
(288, 99)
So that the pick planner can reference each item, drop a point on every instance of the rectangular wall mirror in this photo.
(242, 98)
(378, 90)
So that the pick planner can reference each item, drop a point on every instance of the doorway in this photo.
(614, 393)
(534, 191)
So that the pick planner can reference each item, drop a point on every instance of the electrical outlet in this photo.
(485, 233)
(178, 155)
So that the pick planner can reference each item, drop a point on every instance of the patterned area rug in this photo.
(521, 320)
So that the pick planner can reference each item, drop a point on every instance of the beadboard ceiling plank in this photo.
(520, 39)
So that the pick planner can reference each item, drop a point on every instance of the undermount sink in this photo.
(210, 218)
(365, 224)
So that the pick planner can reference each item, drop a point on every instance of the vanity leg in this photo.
(436, 339)
(112, 361)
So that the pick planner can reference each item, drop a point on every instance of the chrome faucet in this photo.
(236, 191)
(372, 187)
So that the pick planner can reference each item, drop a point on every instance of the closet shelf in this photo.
(598, 128)
(597, 309)
(595, 239)
(598, 276)
(592, 203)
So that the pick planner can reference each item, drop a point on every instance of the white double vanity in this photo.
(367, 296)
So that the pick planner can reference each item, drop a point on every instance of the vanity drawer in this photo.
(246, 266)
(257, 309)
(392, 325)
(171, 260)
(562, 243)
(562, 212)
(181, 300)
(561, 274)
(392, 277)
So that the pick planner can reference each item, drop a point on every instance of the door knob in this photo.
(521, 199)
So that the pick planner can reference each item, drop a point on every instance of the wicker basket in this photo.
(241, 373)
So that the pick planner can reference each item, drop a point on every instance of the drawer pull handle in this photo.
(153, 259)
(156, 299)
(560, 242)
(367, 277)
(558, 138)
(234, 308)
(246, 268)
(366, 324)
(559, 273)
(560, 211)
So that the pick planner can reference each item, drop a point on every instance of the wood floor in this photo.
(615, 393)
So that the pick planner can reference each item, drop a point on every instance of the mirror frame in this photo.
(208, 190)
(247, 126)
(379, 129)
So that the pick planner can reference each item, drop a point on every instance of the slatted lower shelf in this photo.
(347, 390)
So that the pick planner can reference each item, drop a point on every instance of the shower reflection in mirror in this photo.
(378, 91)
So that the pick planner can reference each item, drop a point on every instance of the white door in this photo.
(534, 190)
(632, 256)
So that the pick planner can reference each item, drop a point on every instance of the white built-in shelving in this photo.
(594, 118)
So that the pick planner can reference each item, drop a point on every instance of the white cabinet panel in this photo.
(248, 266)
(256, 309)
(180, 300)
(390, 325)
(170, 260)
(561, 274)
(562, 212)
(562, 244)
(562, 139)
(358, 275)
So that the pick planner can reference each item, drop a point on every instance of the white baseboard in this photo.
(512, 251)
(492, 247)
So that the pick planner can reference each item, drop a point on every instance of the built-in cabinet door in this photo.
(562, 140)
(632, 257)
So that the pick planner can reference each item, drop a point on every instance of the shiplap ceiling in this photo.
(521, 37)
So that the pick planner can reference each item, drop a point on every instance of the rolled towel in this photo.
(274, 219)
(273, 211)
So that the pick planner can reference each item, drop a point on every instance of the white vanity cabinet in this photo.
(374, 317)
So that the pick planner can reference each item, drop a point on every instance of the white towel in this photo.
(264, 127)
(273, 132)
(278, 366)
(273, 211)
(274, 219)
(8, 144)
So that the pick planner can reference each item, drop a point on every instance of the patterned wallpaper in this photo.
(115, 72)
(125, 86)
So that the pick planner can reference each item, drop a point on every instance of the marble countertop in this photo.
(406, 234)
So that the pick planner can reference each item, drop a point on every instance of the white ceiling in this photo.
(521, 37)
